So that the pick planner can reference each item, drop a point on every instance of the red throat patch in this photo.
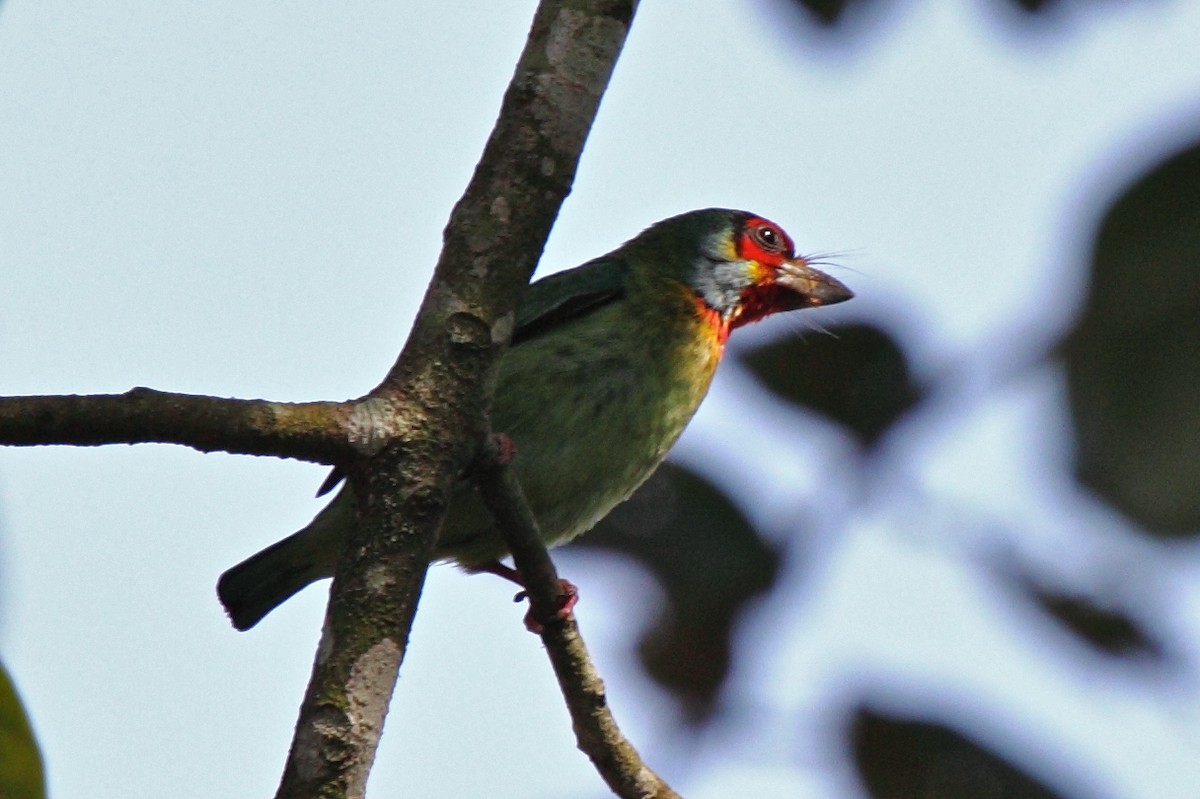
(760, 301)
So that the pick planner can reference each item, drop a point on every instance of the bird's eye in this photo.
(767, 237)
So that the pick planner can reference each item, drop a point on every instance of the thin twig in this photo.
(596, 731)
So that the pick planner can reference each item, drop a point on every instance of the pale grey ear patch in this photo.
(720, 283)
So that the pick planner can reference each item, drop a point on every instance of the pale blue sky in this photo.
(247, 200)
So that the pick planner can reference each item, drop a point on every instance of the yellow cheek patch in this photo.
(759, 273)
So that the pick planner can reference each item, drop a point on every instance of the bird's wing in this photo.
(568, 295)
(550, 302)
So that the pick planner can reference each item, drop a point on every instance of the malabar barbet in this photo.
(608, 363)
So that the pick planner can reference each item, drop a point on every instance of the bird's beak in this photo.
(811, 287)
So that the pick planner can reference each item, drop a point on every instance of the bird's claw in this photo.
(503, 448)
(567, 598)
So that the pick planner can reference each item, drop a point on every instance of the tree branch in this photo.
(311, 431)
(441, 387)
(596, 730)
(404, 445)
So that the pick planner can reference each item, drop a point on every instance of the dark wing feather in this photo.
(568, 295)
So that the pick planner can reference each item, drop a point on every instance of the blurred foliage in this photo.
(708, 559)
(1106, 628)
(1098, 620)
(857, 376)
(829, 12)
(1133, 361)
(899, 758)
(825, 11)
(20, 763)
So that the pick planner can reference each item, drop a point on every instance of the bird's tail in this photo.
(254, 587)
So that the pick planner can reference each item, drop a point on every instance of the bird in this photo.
(607, 364)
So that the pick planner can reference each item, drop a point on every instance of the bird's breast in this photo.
(594, 407)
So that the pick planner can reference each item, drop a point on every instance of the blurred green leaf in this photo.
(710, 562)
(857, 376)
(20, 762)
(899, 758)
(1133, 361)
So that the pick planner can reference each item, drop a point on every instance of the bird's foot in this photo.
(503, 448)
(567, 597)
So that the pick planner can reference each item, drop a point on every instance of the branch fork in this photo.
(406, 443)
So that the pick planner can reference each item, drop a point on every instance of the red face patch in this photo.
(764, 241)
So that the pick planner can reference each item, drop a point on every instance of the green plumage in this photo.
(609, 362)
